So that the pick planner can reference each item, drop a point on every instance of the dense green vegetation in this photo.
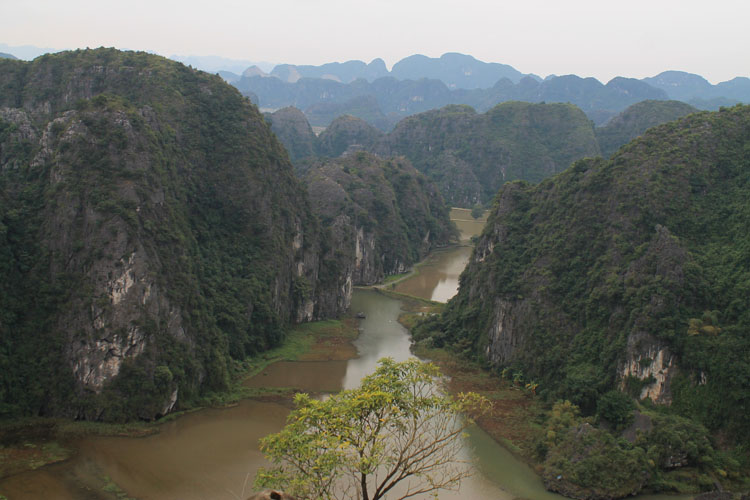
(347, 132)
(468, 155)
(660, 452)
(471, 155)
(154, 235)
(295, 133)
(344, 133)
(148, 220)
(620, 262)
(381, 216)
(635, 120)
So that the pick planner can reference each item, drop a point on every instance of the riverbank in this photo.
(518, 419)
(30, 443)
(514, 420)
(393, 281)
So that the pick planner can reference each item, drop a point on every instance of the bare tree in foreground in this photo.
(395, 429)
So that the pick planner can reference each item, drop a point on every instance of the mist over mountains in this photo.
(418, 83)
(217, 64)
(455, 70)
(385, 101)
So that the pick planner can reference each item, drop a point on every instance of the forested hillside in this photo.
(467, 154)
(152, 232)
(380, 216)
(631, 275)
(635, 120)
(471, 155)
(575, 278)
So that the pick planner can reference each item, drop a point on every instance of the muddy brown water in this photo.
(213, 453)
(437, 277)
(467, 225)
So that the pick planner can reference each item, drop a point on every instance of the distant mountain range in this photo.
(387, 100)
(686, 87)
(419, 83)
(456, 71)
(226, 67)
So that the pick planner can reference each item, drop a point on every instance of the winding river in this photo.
(213, 453)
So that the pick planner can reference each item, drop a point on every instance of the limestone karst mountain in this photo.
(381, 216)
(623, 273)
(152, 233)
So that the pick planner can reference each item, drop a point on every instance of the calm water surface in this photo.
(437, 277)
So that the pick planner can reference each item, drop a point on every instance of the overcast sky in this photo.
(599, 38)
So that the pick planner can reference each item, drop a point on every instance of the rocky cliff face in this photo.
(152, 230)
(652, 363)
(382, 215)
(616, 274)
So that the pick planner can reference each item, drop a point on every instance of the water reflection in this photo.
(437, 277)
(381, 335)
(312, 376)
(212, 453)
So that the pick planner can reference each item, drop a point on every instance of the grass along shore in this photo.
(29, 443)
(515, 420)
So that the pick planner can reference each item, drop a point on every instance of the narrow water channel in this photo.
(213, 453)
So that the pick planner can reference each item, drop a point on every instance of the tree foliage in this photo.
(143, 156)
(616, 408)
(397, 428)
(592, 463)
(477, 211)
(652, 242)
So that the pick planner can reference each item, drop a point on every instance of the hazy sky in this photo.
(599, 38)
